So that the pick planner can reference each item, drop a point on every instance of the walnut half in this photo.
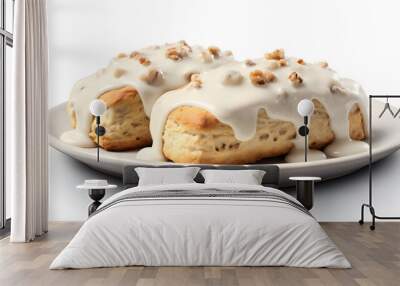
(278, 54)
(173, 54)
(142, 59)
(153, 77)
(300, 62)
(177, 53)
(215, 51)
(259, 77)
(295, 78)
(338, 89)
(196, 81)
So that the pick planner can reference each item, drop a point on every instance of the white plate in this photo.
(386, 140)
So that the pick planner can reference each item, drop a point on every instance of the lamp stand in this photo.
(100, 131)
(306, 139)
(303, 131)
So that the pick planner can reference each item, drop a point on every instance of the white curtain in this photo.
(26, 119)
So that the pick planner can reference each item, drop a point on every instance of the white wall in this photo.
(360, 39)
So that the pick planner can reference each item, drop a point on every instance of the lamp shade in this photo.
(97, 107)
(305, 107)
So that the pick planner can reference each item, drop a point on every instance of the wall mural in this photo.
(183, 104)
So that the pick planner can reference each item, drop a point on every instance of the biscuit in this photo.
(356, 124)
(321, 133)
(194, 135)
(195, 124)
(126, 124)
(134, 82)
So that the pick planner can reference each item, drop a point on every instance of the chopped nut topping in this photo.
(273, 65)
(215, 51)
(121, 55)
(233, 78)
(323, 64)
(275, 55)
(195, 77)
(134, 55)
(269, 76)
(206, 57)
(183, 43)
(335, 88)
(259, 77)
(178, 53)
(188, 75)
(181, 50)
(282, 63)
(295, 78)
(184, 52)
(144, 61)
(249, 63)
(300, 62)
(196, 81)
(119, 72)
(173, 54)
(153, 77)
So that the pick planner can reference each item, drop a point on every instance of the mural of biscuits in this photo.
(242, 112)
(198, 105)
(129, 86)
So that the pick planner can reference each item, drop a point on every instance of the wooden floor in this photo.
(375, 257)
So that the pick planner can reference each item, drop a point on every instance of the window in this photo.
(6, 43)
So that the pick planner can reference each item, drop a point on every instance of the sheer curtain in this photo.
(26, 121)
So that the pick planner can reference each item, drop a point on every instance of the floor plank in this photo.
(375, 257)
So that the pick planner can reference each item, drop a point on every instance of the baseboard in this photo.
(5, 231)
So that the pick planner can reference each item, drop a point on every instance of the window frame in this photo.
(6, 39)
